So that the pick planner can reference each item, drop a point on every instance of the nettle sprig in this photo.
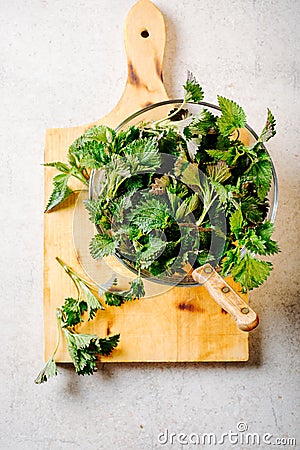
(84, 349)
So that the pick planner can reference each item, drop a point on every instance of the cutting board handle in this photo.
(145, 38)
(246, 319)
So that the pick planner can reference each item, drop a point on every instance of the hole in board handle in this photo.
(145, 34)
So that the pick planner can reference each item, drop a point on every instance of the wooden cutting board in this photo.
(184, 324)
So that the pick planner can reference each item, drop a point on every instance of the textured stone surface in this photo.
(62, 64)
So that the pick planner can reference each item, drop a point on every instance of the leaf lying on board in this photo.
(84, 349)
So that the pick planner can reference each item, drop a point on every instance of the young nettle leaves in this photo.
(73, 310)
(236, 222)
(103, 245)
(193, 92)
(60, 192)
(269, 128)
(48, 371)
(135, 292)
(232, 118)
(85, 349)
(251, 272)
(85, 291)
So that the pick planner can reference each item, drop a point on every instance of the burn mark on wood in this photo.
(108, 329)
(158, 69)
(223, 311)
(182, 306)
(132, 76)
(186, 307)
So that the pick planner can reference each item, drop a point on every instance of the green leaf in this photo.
(263, 234)
(269, 128)
(251, 272)
(114, 299)
(254, 243)
(233, 116)
(154, 248)
(201, 124)
(107, 345)
(95, 155)
(93, 304)
(192, 89)
(261, 173)
(99, 133)
(186, 207)
(90, 148)
(135, 292)
(218, 172)
(95, 208)
(231, 258)
(48, 371)
(84, 351)
(142, 156)
(188, 172)
(73, 310)
(60, 193)
(103, 245)
(254, 210)
(236, 222)
(59, 166)
(150, 214)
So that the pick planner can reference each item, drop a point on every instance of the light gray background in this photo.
(63, 64)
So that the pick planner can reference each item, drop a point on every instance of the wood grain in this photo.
(184, 324)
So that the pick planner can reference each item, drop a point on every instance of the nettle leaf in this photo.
(251, 272)
(94, 208)
(151, 214)
(269, 128)
(95, 155)
(254, 243)
(218, 172)
(231, 258)
(201, 124)
(236, 222)
(188, 173)
(92, 302)
(192, 89)
(187, 207)
(264, 231)
(60, 192)
(99, 133)
(73, 310)
(254, 210)
(90, 147)
(107, 345)
(135, 292)
(84, 351)
(151, 251)
(103, 245)
(142, 156)
(226, 155)
(59, 166)
(48, 371)
(261, 173)
(233, 116)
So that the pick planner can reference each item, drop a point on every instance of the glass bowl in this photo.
(156, 112)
